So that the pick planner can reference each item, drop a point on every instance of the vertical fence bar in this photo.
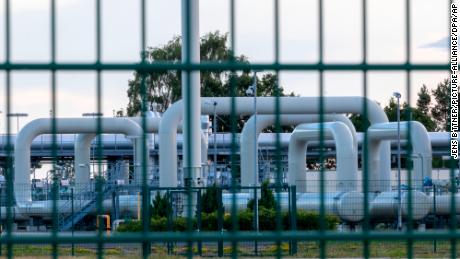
(233, 126)
(198, 220)
(220, 225)
(9, 148)
(73, 219)
(293, 214)
(170, 224)
(98, 174)
(146, 245)
(364, 147)
(278, 130)
(322, 229)
(55, 189)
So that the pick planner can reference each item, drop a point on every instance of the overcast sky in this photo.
(254, 38)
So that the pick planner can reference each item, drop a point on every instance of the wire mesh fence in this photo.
(320, 214)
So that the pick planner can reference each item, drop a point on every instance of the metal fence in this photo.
(365, 241)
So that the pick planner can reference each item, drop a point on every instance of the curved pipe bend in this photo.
(265, 120)
(64, 126)
(347, 157)
(421, 146)
(265, 105)
(83, 146)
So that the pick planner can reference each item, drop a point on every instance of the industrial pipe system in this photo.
(247, 136)
(419, 139)
(63, 125)
(84, 140)
(347, 156)
(265, 105)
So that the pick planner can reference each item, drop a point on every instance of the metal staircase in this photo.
(66, 220)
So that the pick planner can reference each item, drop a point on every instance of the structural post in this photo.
(170, 226)
(191, 92)
(220, 225)
(398, 96)
(73, 223)
(198, 220)
(293, 215)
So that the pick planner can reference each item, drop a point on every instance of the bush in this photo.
(310, 221)
(161, 207)
(209, 221)
(267, 221)
(159, 224)
(180, 224)
(245, 219)
(130, 226)
(210, 199)
(267, 199)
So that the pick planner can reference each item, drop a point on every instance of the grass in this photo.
(345, 249)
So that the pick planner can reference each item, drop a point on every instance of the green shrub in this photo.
(310, 221)
(159, 224)
(161, 207)
(130, 226)
(267, 199)
(209, 221)
(210, 199)
(267, 219)
(245, 219)
(180, 224)
(306, 220)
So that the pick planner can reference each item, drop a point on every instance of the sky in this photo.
(254, 38)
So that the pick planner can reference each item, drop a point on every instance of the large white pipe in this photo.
(265, 105)
(191, 91)
(420, 142)
(64, 126)
(347, 156)
(263, 121)
(82, 147)
(83, 142)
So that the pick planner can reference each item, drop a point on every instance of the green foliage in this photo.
(209, 221)
(311, 221)
(267, 199)
(361, 124)
(130, 226)
(267, 218)
(408, 113)
(441, 109)
(434, 117)
(159, 224)
(163, 87)
(161, 207)
(210, 199)
(180, 224)
(424, 100)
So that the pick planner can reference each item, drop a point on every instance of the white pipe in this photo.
(265, 105)
(82, 159)
(247, 136)
(65, 126)
(83, 149)
(443, 204)
(420, 142)
(82, 156)
(347, 156)
(385, 205)
(191, 91)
